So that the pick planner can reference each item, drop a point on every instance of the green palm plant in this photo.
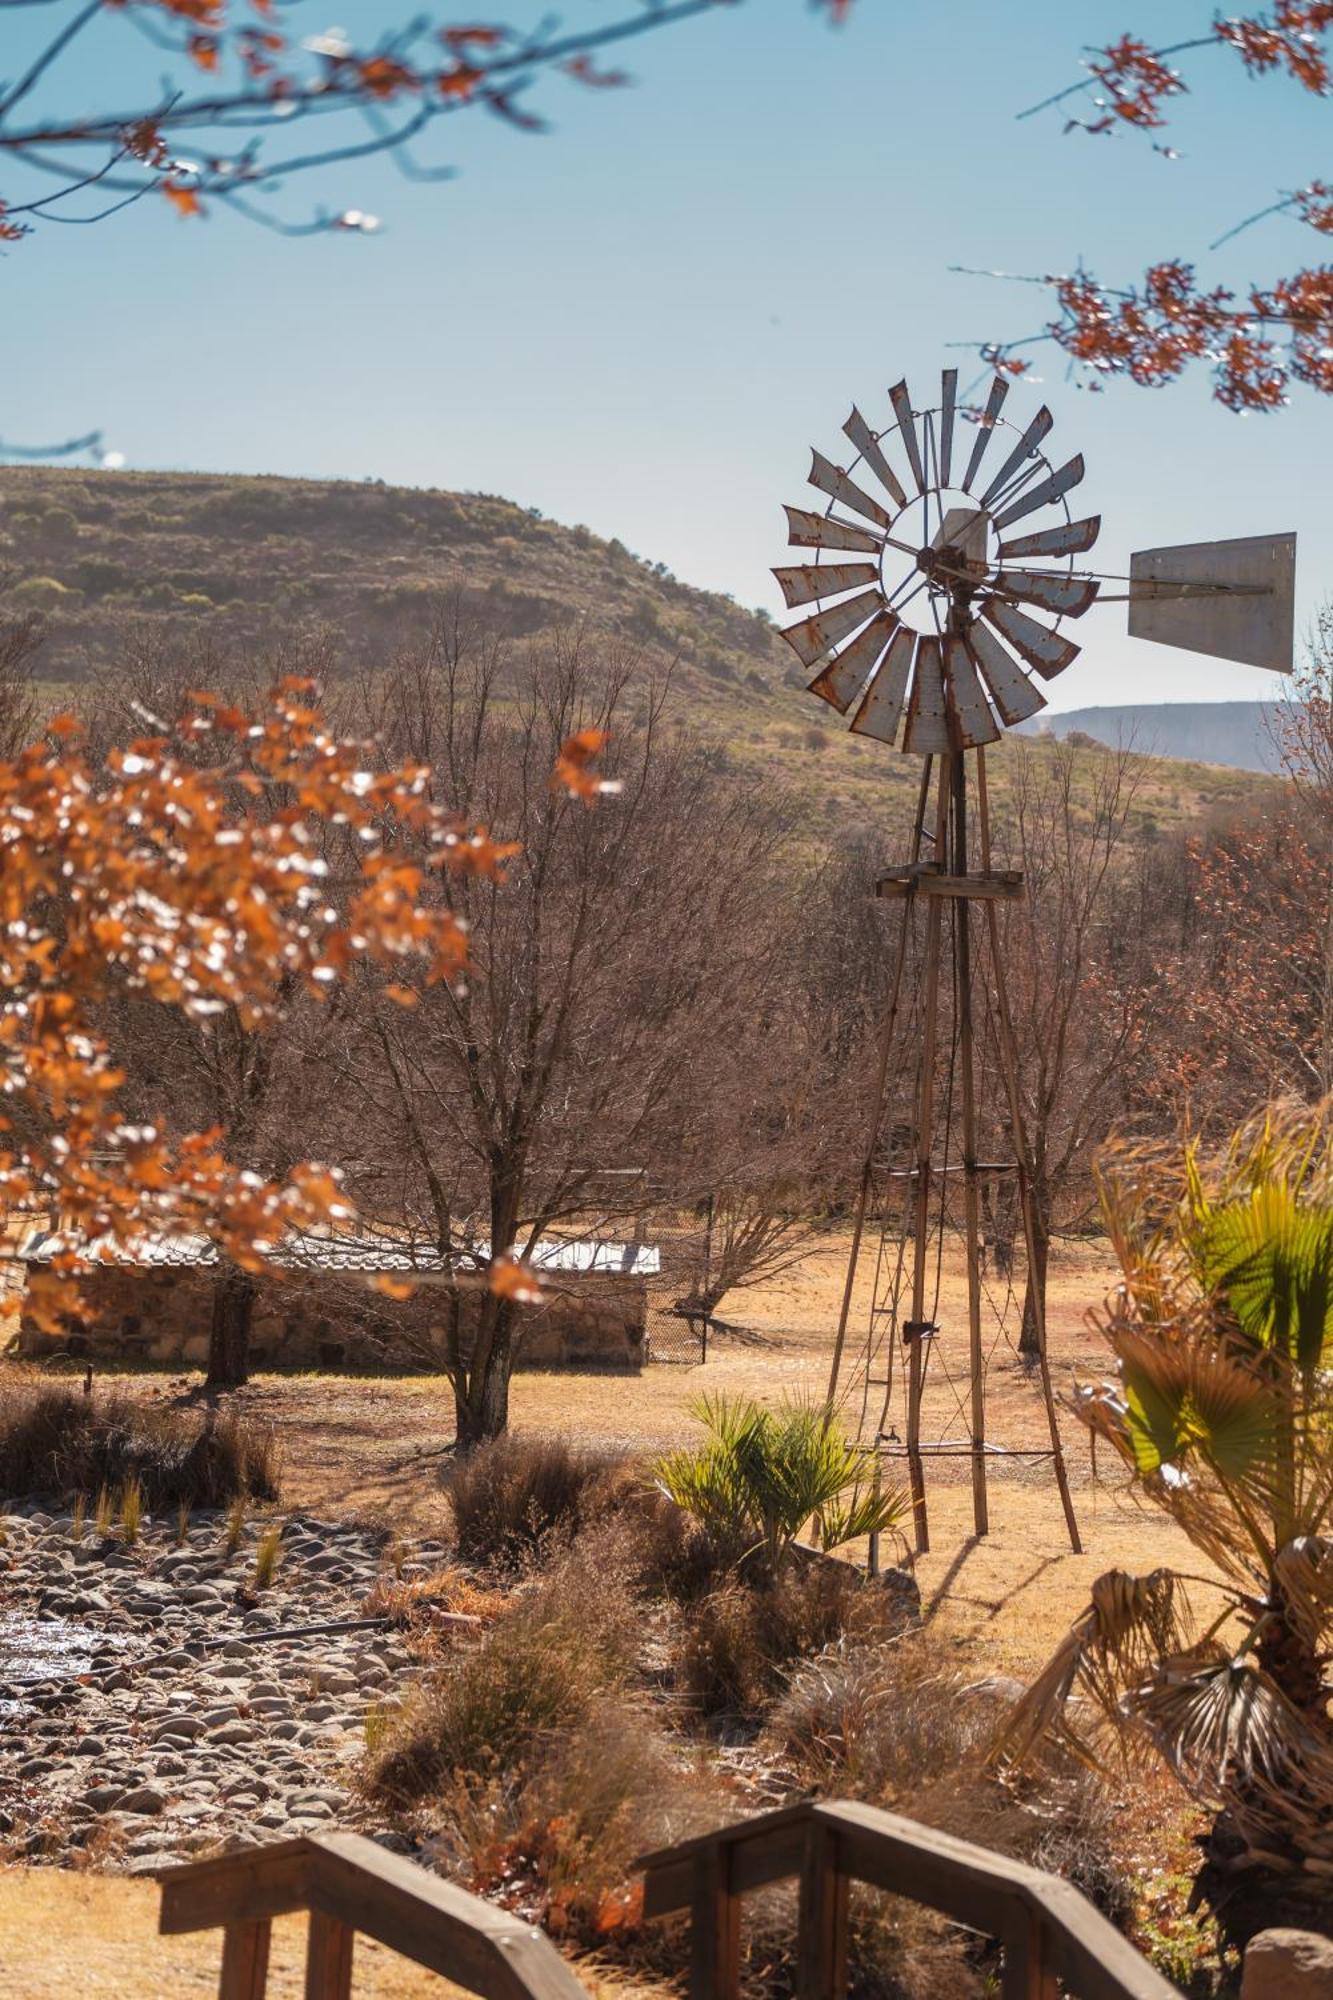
(1221, 1409)
(760, 1476)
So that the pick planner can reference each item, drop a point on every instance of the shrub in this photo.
(564, 1839)
(567, 1643)
(737, 1645)
(57, 1442)
(878, 1722)
(518, 1496)
(760, 1475)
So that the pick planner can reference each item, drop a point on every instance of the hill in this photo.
(218, 561)
(1238, 734)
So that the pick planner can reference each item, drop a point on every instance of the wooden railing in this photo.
(1047, 1930)
(348, 1884)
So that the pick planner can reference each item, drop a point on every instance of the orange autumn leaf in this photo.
(183, 199)
(572, 767)
(510, 1278)
(393, 1288)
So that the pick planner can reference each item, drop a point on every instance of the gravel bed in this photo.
(156, 1705)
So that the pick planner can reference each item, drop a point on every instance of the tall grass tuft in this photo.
(130, 1510)
(104, 1512)
(233, 1532)
(563, 1648)
(182, 1524)
(267, 1554)
(79, 1518)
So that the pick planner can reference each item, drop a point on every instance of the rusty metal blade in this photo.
(1012, 692)
(1024, 449)
(861, 435)
(831, 479)
(844, 677)
(1068, 595)
(948, 403)
(806, 584)
(820, 531)
(1040, 647)
(971, 710)
(927, 712)
(881, 711)
(816, 636)
(1043, 492)
(902, 409)
(1069, 539)
(999, 389)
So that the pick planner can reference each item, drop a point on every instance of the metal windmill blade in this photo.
(927, 635)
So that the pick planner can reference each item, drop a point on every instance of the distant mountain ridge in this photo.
(1238, 734)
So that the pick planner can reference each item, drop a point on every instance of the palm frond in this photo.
(1130, 1622)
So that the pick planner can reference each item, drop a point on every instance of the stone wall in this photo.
(305, 1319)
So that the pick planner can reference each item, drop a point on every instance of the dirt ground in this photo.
(378, 1448)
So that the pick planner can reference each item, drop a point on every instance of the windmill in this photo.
(941, 575)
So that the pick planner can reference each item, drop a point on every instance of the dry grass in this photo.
(57, 1443)
(563, 1646)
(737, 1646)
(516, 1498)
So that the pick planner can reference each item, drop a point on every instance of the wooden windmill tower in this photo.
(943, 571)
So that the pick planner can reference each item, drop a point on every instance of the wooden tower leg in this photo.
(1009, 1065)
(971, 1200)
(924, 1141)
(876, 1106)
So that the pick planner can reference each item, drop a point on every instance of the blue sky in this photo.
(643, 320)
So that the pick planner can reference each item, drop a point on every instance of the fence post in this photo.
(715, 1927)
(821, 1945)
(1026, 1973)
(244, 1961)
(328, 1958)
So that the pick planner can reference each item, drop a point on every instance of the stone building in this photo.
(320, 1307)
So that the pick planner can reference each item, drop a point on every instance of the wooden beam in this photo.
(236, 1888)
(464, 1939)
(1003, 885)
(821, 1944)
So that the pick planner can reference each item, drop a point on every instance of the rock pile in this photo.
(156, 1704)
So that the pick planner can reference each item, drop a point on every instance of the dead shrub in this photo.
(558, 1840)
(518, 1497)
(425, 1606)
(565, 1644)
(737, 1645)
(900, 1725)
(877, 1721)
(57, 1442)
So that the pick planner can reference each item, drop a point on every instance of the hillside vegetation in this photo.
(240, 563)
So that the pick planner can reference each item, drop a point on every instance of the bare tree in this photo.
(626, 1007)
(1076, 987)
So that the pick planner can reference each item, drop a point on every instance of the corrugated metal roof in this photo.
(365, 1255)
